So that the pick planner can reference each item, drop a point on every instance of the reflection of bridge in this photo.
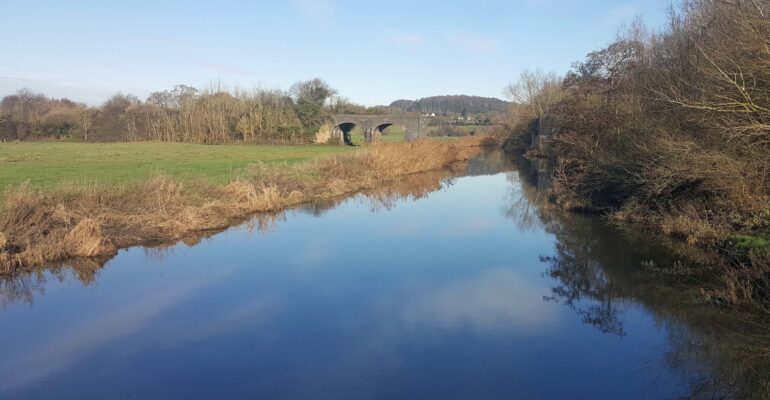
(374, 125)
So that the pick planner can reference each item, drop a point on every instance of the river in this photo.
(447, 285)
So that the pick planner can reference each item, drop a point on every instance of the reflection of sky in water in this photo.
(440, 297)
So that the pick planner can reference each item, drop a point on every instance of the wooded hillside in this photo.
(452, 105)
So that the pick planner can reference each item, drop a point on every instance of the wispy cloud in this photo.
(468, 227)
(411, 39)
(226, 68)
(497, 301)
(621, 14)
(91, 91)
(547, 3)
(474, 42)
(66, 347)
(314, 253)
(405, 229)
(318, 12)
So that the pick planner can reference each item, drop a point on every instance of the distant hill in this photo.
(452, 105)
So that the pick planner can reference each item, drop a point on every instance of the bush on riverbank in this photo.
(672, 130)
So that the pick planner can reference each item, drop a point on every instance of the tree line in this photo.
(182, 114)
(669, 128)
(452, 105)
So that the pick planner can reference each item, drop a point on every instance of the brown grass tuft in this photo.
(87, 240)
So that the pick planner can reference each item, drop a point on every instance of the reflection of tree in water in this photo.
(489, 161)
(417, 186)
(600, 272)
(584, 285)
(522, 208)
(24, 286)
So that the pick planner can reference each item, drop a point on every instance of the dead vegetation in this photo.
(93, 221)
(672, 130)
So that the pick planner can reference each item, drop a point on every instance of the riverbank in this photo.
(95, 220)
(669, 130)
(731, 238)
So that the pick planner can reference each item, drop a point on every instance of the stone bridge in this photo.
(374, 125)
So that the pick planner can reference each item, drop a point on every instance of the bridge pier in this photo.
(541, 130)
(372, 135)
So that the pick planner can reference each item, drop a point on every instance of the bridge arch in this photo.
(383, 127)
(343, 131)
(374, 126)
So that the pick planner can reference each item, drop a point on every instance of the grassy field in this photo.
(46, 164)
(394, 133)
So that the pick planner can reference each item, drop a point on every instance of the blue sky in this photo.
(371, 51)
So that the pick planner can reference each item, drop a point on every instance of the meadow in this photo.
(47, 164)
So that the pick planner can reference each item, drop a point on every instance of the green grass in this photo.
(746, 242)
(47, 164)
(357, 136)
(394, 133)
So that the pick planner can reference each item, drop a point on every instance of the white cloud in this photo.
(226, 68)
(318, 12)
(92, 92)
(411, 39)
(65, 347)
(474, 42)
(469, 227)
(620, 15)
(495, 301)
(314, 253)
(405, 229)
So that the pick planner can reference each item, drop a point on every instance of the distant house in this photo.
(429, 115)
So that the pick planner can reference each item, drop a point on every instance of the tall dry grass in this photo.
(93, 221)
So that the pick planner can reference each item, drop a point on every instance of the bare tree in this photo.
(536, 91)
(86, 120)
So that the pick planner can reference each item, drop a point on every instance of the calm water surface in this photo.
(463, 289)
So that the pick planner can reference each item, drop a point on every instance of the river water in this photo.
(443, 286)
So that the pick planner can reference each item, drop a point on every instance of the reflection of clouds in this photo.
(405, 229)
(223, 321)
(469, 227)
(314, 253)
(496, 300)
(65, 347)
(496, 304)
